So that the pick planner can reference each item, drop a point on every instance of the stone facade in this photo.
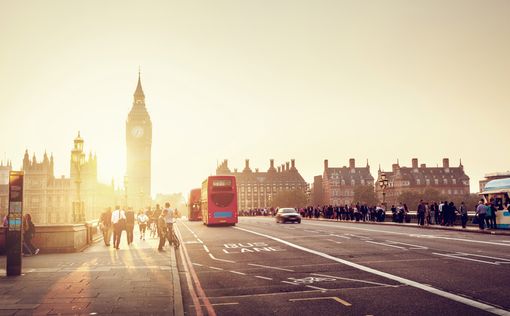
(4, 187)
(336, 185)
(49, 199)
(256, 189)
(138, 142)
(447, 180)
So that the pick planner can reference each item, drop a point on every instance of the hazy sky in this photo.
(309, 80)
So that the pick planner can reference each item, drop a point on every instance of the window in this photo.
(445, 181)
(436, 181)
(418, 182)
(454, 181)
(427, 181)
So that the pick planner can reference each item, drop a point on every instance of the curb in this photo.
(435, 227)
(178, 305)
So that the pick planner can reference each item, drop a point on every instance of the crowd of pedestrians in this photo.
(157, 220)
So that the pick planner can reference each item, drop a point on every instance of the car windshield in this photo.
(287, 210)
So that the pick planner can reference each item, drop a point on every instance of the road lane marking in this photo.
(215, 268)
(237, 272)
(217, 259)
(206, 249)
(336, 242)
(198, 264)
(430, 289)
(222, 304)
(463, 258)
(339, 300)
(268, 267)
(339, 236)
(411, 245)
(354, 280)
(200, 241)
(263, 277)
(387, 245)
(312, 231)
(481, 256)
(316, 287)
(416, 235)
(201, 294)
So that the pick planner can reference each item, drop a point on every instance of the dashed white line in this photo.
(316, 287)
(198, 264)
(268, 267)
(463, 258)
(387, 245)
(263, 277)
(206, 249)
(237, 272)
(336, 242)
(200, 241)
(339, 236)
(216, 268)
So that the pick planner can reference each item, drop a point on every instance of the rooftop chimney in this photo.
(415, 163)
(325, 164)
(423, 166)
(446, 163)
(352, 163)
(293, 164)
(279, 169)
(271, 163)
(287, 166)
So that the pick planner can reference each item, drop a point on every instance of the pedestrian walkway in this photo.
(136, 279)
(470, 228)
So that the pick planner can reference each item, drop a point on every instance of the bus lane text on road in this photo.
(250, 247)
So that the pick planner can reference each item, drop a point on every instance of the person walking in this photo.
(463, 214)
(105, 223)
(28, 234)
(481, 211)
(130, 225)
(162, 229)
(119, 224)
(421, 213)
(169, 220)
(142, 220)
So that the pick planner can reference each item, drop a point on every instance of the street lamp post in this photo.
(78, 159)
(383, 184)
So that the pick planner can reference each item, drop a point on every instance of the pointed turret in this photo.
(34, 160)
(26, 160)
(139, 95)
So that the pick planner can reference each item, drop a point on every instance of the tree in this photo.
(432, 195)
(294, 198)
(365, 194)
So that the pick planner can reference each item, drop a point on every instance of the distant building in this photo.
(492, 176)
(49, 199)
(336, 185)
(4, 186)
(256, 189)
(447, 180)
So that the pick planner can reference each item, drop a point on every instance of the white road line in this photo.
(481, 256)
(268, 267)
(387, 245)
(354, 280)
(336, 242)
(222, 260)
(237, 272)
(312, 231)
(416, 235)
(316, 287)
(411, 245)
(430, 289)
(215, 268)
(206, 249)
(463, 258)
(200, 241)
(263, 277)
(198, 264)
(340, 236)
(292, 283)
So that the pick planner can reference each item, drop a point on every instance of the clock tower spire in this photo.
(138, 145)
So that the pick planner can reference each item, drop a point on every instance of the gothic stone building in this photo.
(256, 189)
(447, 180)
(49, 199)
(4, 187)
(336, 185)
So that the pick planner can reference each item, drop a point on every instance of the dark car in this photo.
(288, 215)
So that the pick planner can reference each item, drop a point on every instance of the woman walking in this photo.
(28, 234)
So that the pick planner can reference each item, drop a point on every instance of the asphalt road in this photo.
(329, 268)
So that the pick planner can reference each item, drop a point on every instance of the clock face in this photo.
(137, 131)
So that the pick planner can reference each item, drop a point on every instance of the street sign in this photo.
(13, 240)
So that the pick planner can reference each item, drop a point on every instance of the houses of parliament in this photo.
(51, 200)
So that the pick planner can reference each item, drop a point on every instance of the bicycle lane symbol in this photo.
(310, 280)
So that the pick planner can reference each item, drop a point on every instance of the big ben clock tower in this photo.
(138, 143)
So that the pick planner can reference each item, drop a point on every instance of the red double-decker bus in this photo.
(219, 200)
(194, 205)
